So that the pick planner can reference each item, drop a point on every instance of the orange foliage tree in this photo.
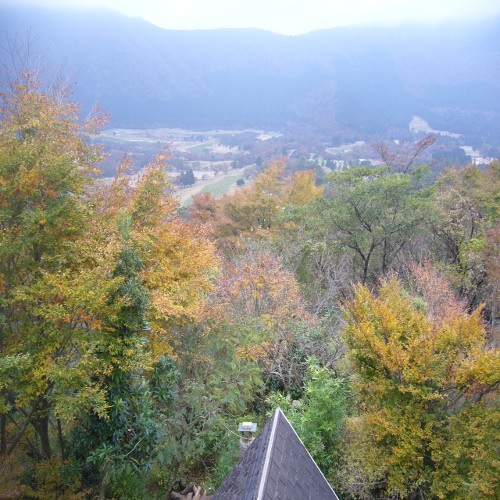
(179, 262)
(255, 209)
(262, 301)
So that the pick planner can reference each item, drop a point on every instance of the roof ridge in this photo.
(276, 465)
(267, 459)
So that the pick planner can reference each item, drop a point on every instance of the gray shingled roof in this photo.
(276, 466)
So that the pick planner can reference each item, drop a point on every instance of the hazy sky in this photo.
(285, 16)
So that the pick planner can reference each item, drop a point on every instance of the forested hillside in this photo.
(364, 81)
(133, 341)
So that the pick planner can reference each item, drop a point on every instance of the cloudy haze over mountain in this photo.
(359, 80)
(288, 17)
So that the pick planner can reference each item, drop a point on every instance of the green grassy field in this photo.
(217, 188)
(199, 148)
(221, 187)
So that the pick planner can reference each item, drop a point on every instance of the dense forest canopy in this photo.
(134, 339)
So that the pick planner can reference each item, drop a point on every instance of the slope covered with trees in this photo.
(132, 341)
(355, 82)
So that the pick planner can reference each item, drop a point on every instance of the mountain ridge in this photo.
(366, 81)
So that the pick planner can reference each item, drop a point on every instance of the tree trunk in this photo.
(42, 427)
(3, 434)
(61, 440)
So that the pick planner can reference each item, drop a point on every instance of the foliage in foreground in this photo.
(130, 347)
(319, 416)
(425, 379)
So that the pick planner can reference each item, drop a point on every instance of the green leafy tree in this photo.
(318, 416)
(213, 387)
(372, 214)
(187, 178)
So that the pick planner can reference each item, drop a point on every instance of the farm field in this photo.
(217, 185)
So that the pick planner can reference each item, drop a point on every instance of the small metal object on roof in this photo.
(247, 427)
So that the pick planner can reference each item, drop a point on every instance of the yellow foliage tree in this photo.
(62, 297)
(49, 307)
(426, 383)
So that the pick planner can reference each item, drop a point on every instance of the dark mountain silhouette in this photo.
(367, 81)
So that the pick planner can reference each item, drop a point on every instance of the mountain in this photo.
(361, 80)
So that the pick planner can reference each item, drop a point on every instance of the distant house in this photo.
(276, 466)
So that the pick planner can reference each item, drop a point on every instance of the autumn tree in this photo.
(254, 210)
(404, 156)
(426, 382)
(94, 281)
(163, 268)
(46, 302)
(262, 300)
